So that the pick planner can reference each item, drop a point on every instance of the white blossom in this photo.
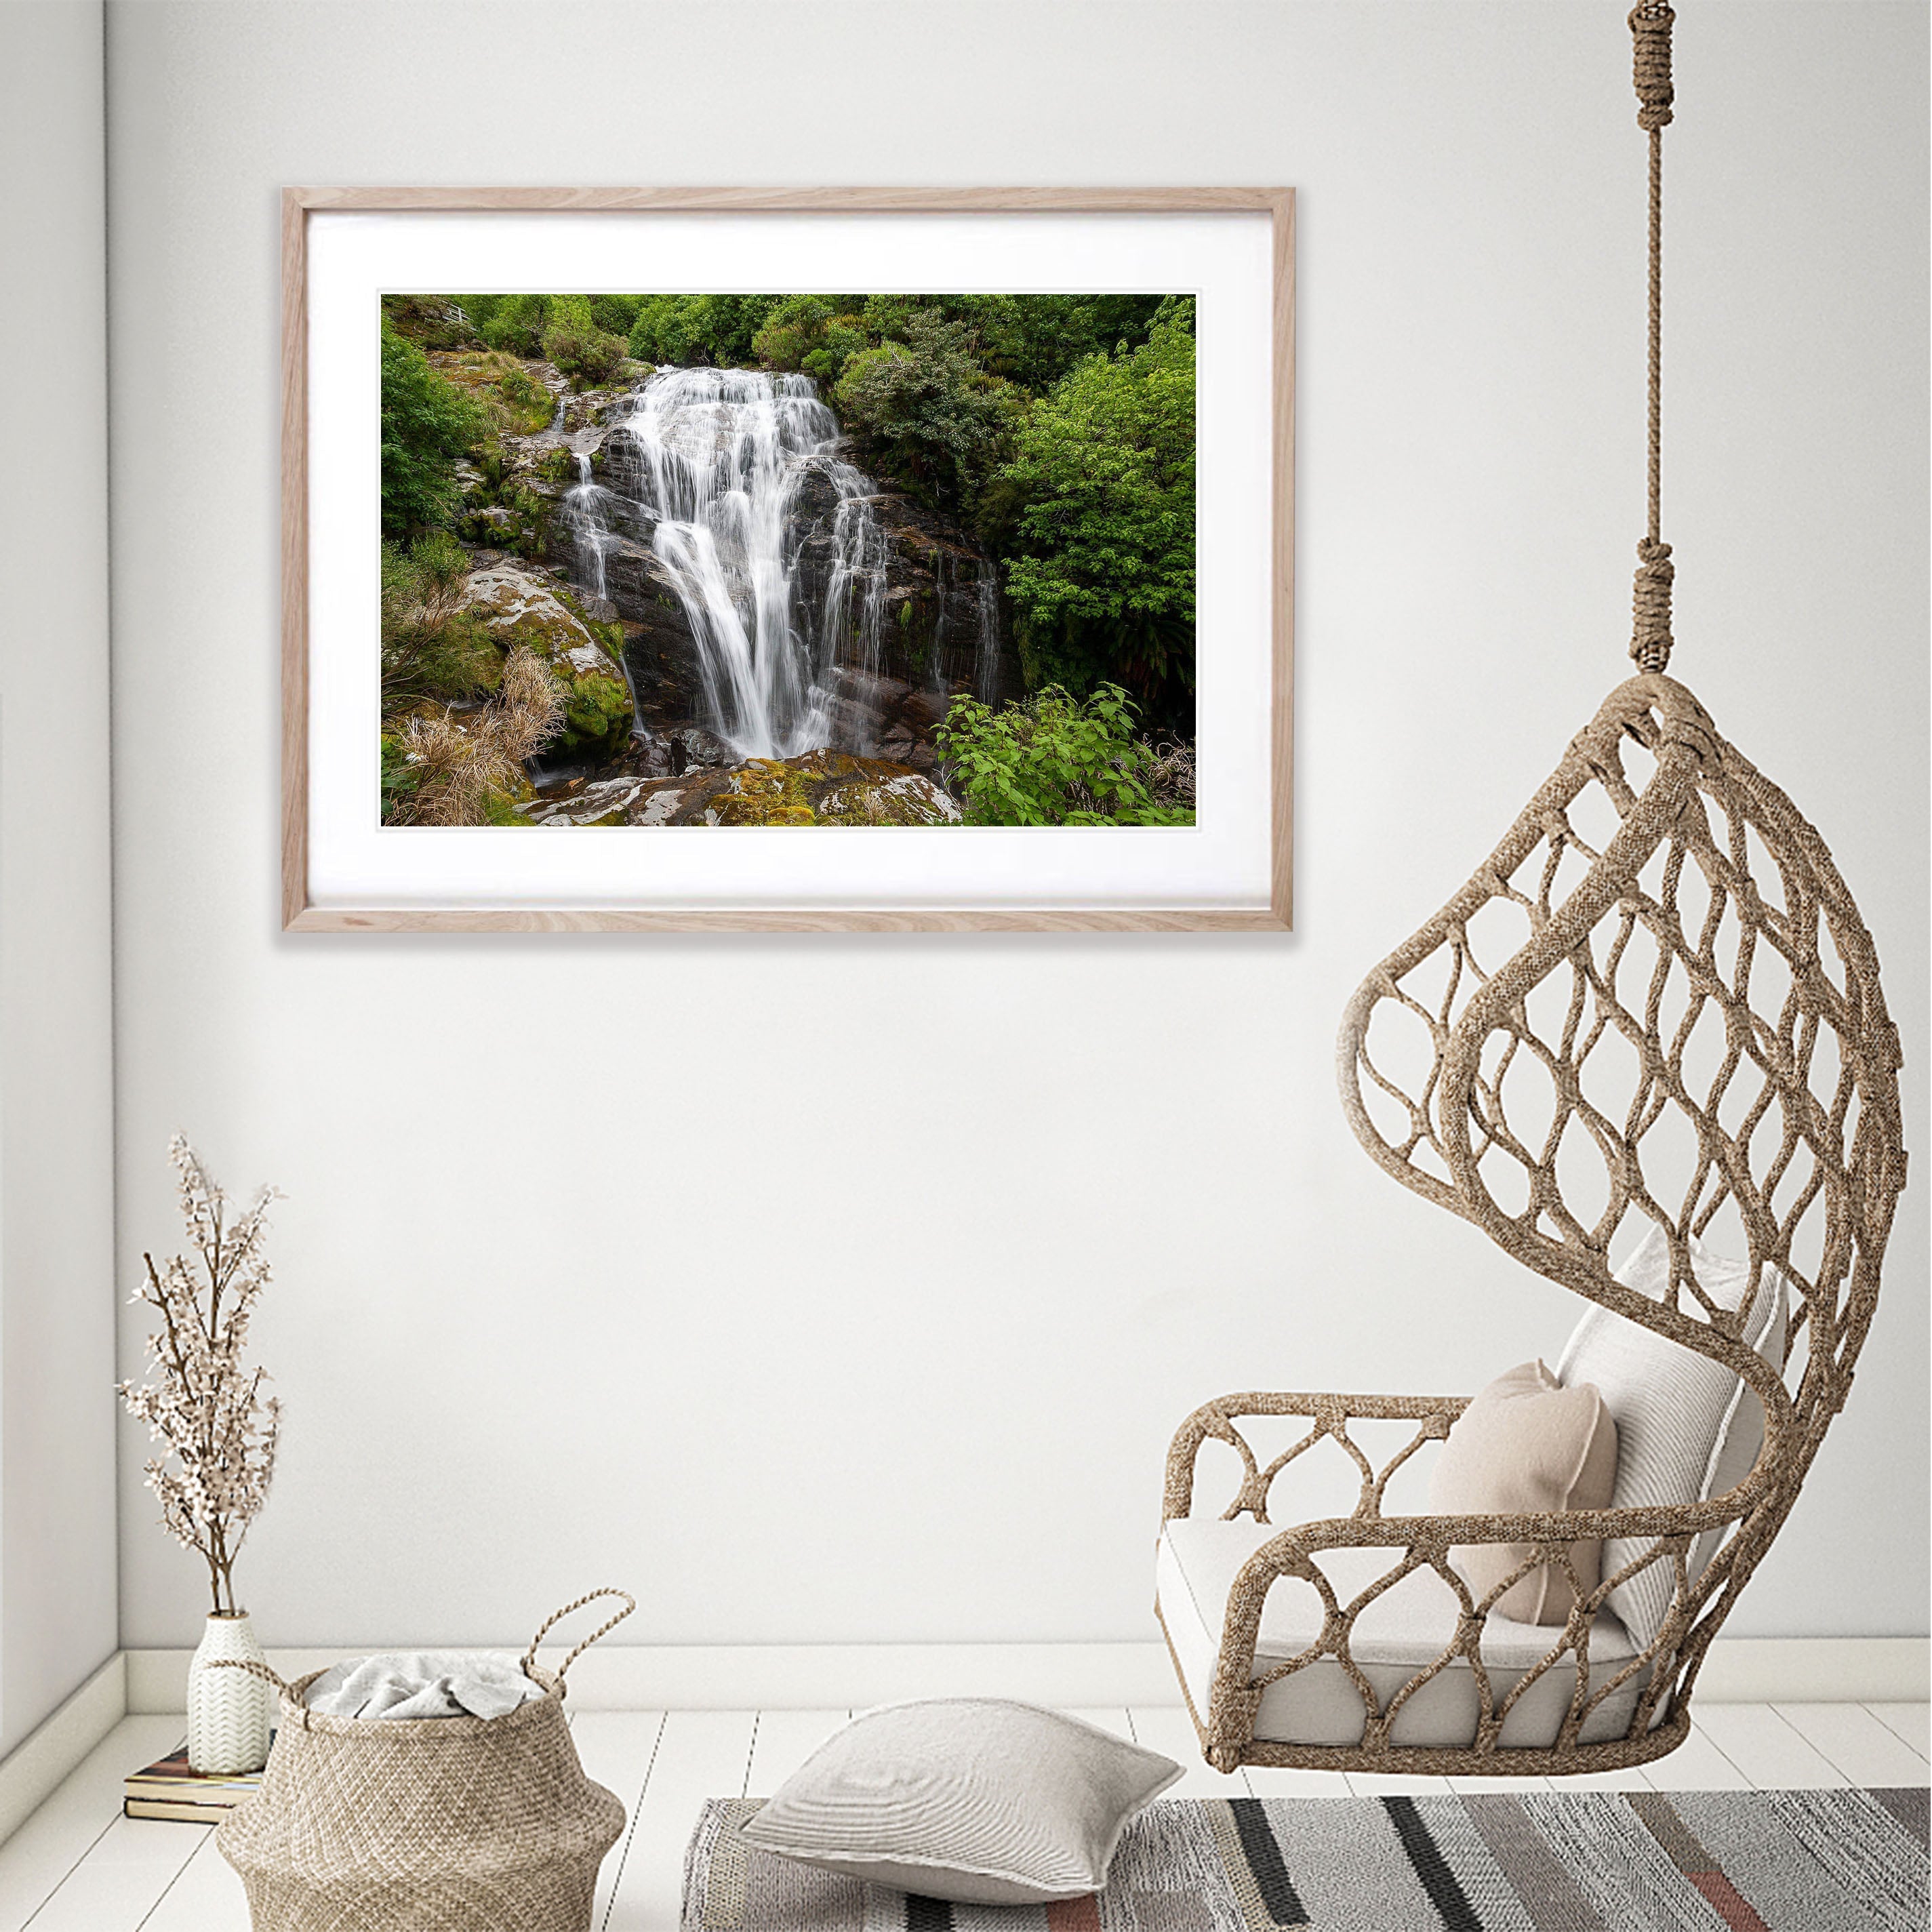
(219, 1430)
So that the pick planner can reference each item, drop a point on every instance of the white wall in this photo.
(57, 1503)
(848, 1288)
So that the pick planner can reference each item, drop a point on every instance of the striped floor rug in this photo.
(1566, 1861)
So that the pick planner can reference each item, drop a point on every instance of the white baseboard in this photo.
(769, 1677)
(1816, 1670)
(40, 1764)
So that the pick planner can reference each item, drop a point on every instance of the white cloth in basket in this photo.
(422, 1684)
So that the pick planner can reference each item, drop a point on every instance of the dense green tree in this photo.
(517, 324)
(1103, 583)
(615, 313)
(427, 424)
(810, 333)
(1033, 340)
(479, 309)
(716, 329)
(928, 414)
(572, 339)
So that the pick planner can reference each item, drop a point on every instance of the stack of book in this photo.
(171, 1789)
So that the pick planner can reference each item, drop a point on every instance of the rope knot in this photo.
(1650, 24)
(1651, 640)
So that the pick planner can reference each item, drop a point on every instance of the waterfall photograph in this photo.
(787, 560)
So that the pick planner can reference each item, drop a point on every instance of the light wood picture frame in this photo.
(321, 889)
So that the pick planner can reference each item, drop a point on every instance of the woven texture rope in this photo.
(441, 1824)
(1655, 1003)
(1651, 640)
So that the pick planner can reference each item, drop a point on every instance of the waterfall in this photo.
(986, 655)
(721, 458)
(940, 623)
(591, 514)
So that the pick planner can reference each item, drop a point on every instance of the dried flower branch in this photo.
(220, 1430)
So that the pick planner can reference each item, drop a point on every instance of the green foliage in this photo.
(808, 332)
(615, 313)
(572, 339)
(427, 424)
(479, 309)
(517, 324)
(715, 329)
(524, 317)
(1054, 760)
(1033, 340)
(400, 779)
(525, 405)
(1103, 584)
(431, 648)
(430, 322)
(929, 415)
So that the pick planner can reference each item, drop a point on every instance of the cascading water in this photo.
(591, 514)
(986, 656)
(721, 456)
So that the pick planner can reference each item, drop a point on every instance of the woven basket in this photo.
(439, 1825)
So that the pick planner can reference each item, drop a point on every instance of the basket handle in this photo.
(630, 1603)
(253, 1670)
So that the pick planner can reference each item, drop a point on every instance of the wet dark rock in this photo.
(653, 755)
(698, 747)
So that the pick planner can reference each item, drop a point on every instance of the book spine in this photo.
(168, 1812)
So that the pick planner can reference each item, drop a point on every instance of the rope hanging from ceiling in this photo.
(1654, 1006)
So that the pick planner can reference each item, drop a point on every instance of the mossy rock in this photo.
(830, 788)
(822, 788)
(520, 608)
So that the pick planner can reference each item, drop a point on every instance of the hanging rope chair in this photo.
(1654, 1009)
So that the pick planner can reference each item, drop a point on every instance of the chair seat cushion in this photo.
(1404, 1630)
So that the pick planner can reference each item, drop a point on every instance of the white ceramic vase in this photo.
(229, 1712)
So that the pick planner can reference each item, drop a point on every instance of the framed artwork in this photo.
(792, 559)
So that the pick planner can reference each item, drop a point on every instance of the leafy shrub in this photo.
(1055, 760)
(807, 332)
(928, 414)
(572, 339)
(431, 648)
(715, 329)
(615, 313)
(1033, 340)
(427, 424)
(1103, 475)
(523, 403)
(517, 323)
(479, 308)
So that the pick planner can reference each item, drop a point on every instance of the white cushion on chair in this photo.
(1403, 1631)
(1687, 1429)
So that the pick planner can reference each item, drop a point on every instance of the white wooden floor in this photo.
(78, 1866)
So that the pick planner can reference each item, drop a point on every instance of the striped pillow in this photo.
(971, 1799)
(1687, 1429)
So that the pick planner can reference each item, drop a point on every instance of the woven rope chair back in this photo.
(1656, 1003)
